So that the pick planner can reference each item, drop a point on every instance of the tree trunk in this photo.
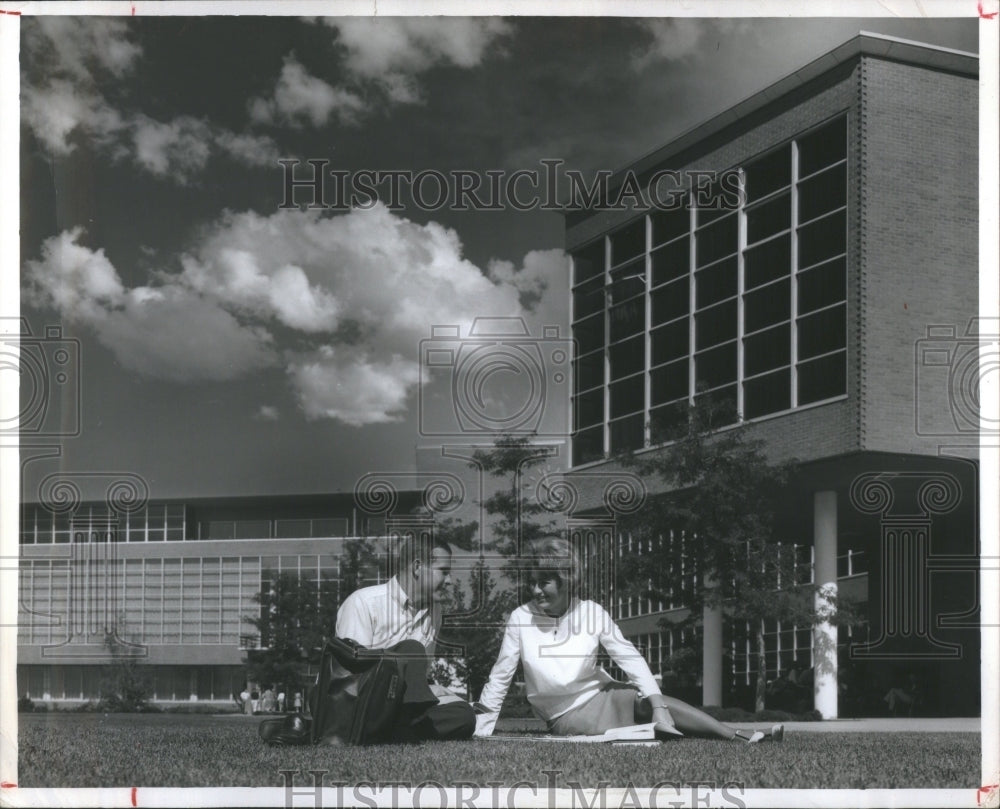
(761, 669)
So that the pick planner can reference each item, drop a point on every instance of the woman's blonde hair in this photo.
(553, 554)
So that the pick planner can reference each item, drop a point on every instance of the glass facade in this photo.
(163, 522)
(163, 601)
(737, 296)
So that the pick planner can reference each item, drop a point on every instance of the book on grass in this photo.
(630, 734)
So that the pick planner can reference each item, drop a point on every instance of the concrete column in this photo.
(825, 633)
(711, 657)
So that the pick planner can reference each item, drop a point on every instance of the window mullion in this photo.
(647, 379)
(740, 287)
(606, 421)
(692, 292)
(794, 285)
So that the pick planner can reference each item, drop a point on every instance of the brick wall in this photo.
(918, 245)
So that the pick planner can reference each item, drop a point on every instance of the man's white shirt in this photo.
(382, 615)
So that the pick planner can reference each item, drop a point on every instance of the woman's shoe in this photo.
(777, 734)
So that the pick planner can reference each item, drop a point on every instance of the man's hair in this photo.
(555, 555)
(418, 545)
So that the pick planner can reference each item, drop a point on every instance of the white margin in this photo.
(989, 291)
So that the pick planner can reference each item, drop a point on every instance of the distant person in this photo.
(908, 696)
(556, 637)
(281, 702)
(268, 701)
(297, 703)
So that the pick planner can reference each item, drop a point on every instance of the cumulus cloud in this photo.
(299, 96)
(342, 301)
(166, 331)
(75, 278)
(180, 146)
(679, 38)
(383, 58)
(385, 46)
(354, 388)
(55, 111)
(82, 50)
(267, 413)
(251, 150)
(173, 333)
(541, 283)
(70, 59)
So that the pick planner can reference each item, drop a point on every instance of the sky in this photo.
(228, 346)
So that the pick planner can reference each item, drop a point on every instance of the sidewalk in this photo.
(869, 725)
(882, 725)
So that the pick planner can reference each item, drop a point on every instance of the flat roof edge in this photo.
(865, 43)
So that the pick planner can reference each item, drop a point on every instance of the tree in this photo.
(713, 536)
(484, 603)
(297, 615)
(515, 511)
(125, 683)
(477, 630)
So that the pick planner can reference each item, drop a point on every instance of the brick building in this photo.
(826, 289)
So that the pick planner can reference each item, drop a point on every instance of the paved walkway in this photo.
(869, 725)
(882, 725)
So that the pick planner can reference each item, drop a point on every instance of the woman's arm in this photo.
(625, 655)
(491, 699)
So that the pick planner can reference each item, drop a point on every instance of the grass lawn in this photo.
(162, 750)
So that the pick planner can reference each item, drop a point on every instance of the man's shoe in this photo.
(777, 733)
(285, 731)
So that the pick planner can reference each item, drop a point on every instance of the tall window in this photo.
(745, 303)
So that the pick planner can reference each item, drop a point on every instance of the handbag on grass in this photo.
(356, 697)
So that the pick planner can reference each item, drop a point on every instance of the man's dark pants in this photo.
(420, 717)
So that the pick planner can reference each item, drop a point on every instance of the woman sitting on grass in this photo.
(556, 637)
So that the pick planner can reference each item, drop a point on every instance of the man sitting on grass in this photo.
(401, 617)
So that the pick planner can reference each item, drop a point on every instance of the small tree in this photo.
(478, 634)
(517, 514)
(125, 684)
(713, 537)
(491, 592)
(296, 616)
